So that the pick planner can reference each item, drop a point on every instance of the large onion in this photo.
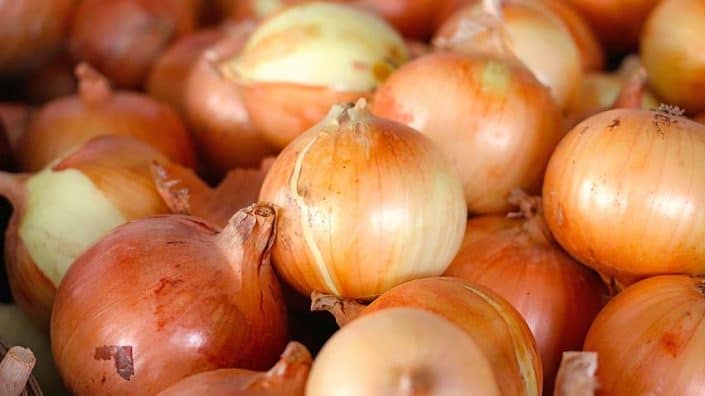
(649, 339)
(67, 122)
(623, 194)
(163, 298)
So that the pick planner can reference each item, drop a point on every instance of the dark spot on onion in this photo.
(121, 355)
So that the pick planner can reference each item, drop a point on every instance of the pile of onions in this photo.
(67, 122)
(672, 45)
(649, 338)
(489, 115)
(517, 258)
(623, 191)
(31, 31)
(286, 378)
(226, 137)
(163, 298)
(122, 38)
(366, 203)
(353, 50)
(61, 211)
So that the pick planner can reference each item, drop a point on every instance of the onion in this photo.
(649, 338)
(366, 204)
(501, 333)
(15, 116)
(61, 211)
(700, 118)
(494, 121)
(216, 110)
(51, 81)
(672, 44)
(64, 123)
(577, 374)
(31, 31)
(286, 378)
(174, 296)
(622, 192)
(518, 259)
(123, 38)
(354, 51)
(591, 52)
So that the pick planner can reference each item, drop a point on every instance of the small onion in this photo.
(163, 298)
(649, 339)
(672, 45)
(623, 191)
(366, 204)
(123, 38)
(354, 51)
(286, 378)
(67, 122)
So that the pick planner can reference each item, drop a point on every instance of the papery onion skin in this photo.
(366, 204)
(700, 118)
(622, 192)
(65, 123)
(493, 120)
(649, 339)
(672, 42)
(178, 295)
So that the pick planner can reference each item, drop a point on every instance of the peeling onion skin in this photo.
(365, 204)
(623, 177)
(672, 44)
(649, 339)
(185, 296)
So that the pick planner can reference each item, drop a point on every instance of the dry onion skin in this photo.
(353, 50)
(623, 191)
(365, 204)
(672, 45)
(167, 297)
(649, 338)
(65, 123)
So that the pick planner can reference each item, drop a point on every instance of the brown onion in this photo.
(672, 45)
(62, 210)
(31, 31)
(286, 378)
(623, 190)
(366, 203)
(649, 339)
(499, 330)
(216, 111)
(64, 123)
(123, 38)
(519, 260)
(163, 298)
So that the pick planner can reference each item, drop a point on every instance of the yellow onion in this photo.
(649, 339)
(353, 52)
(623, 190)
(672, 45)
(365, 204)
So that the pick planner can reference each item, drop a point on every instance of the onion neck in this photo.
(294, 359)
(344, 311)
(577, 374)
(93, 87)
(248, 238)
(632, 94)
(531, 210)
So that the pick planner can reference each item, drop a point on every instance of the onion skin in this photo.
(591, 50)
(362, 179)
(183, 295)
(15, 116)
(623, 177)
(31, 31)
(286, 378)
(671, 43)
(494, 121)
(123, 38)
(67, 122)
(649, 338)
(577, 374)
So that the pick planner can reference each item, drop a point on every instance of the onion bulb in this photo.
(163, 298)
(353, 50)
(518, 259)
(366, 203)
(649, 338)
(65, 123)
(623, 190)
(286, 378)
(502, 334)
(672, 45)
(62, 210)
